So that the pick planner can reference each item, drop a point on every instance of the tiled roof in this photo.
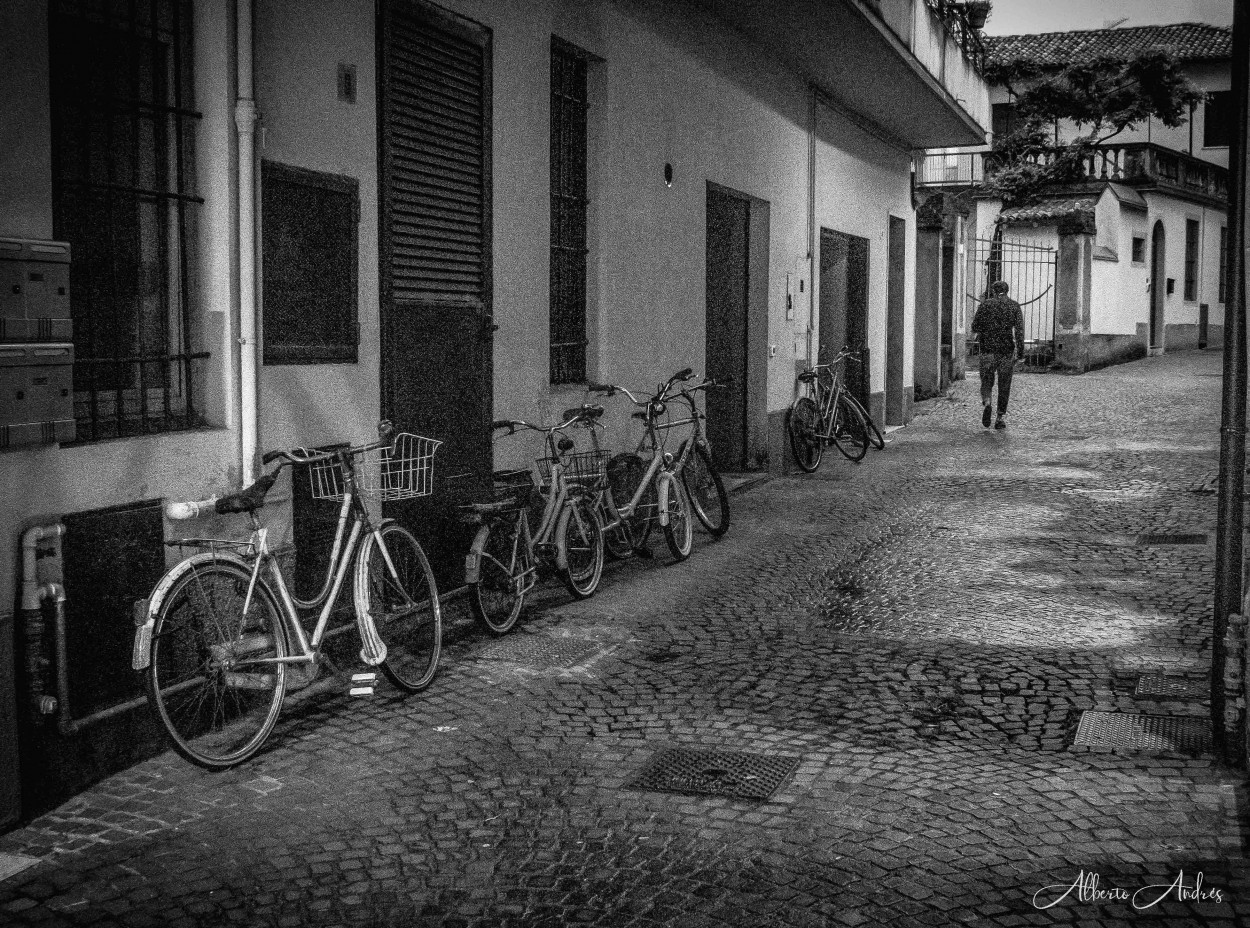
(1187, 41)
(1049, 210)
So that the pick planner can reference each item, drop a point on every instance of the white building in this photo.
(290, 217)
(1155, 204)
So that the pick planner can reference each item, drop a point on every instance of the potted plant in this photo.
(977, 11)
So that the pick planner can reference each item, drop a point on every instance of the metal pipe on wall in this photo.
(34, 595)
(1228, 533)
(245, 123)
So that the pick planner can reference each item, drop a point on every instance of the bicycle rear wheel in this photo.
(403, 605)
(803, 425)
(212, 679)
(581, 535)
(875, 438)
(494, 596)
(706, 491)
(850, 433)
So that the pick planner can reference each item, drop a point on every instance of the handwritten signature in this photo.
(1087, 889)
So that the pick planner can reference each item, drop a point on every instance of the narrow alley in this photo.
(907, 646)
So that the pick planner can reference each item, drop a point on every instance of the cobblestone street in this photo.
(920, 634)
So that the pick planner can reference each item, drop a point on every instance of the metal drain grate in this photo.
(1193, 538)
(1064, 437)
(541, 651)
(1144, 732)
(1161, 684)
(730, 774)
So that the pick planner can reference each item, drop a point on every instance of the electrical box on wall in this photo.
(36, 395)
(34, 291)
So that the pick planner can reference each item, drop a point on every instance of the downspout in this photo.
(245, 123)
(1228, 533)
(812, 350)
(34, 595)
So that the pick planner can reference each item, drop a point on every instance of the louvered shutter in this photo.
(435, 117)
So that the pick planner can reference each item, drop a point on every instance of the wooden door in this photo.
(896, 404)
(1158, 284)
(728, 253)
(435, 215)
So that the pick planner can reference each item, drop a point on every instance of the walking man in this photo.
(999, 325)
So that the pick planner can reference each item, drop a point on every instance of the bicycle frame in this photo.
(343, 555)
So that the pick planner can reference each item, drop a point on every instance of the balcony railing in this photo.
(1135, 163)
(955, 17)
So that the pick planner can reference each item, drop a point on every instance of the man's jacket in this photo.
(994, 323)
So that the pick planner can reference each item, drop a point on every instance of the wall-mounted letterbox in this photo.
(34, 291)
(36, 394)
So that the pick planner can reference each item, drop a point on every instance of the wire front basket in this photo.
(401, 470)
(586, 469)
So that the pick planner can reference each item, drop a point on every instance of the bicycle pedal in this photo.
(363, 684)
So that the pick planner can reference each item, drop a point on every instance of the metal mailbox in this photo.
(36, 394)
(34, 291)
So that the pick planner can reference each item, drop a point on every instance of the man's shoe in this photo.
(1001, 423)
(986, 415)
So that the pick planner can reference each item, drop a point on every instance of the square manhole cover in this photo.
(1171, 686)
(731, 774)
(1144, 732)
(1191, 538)
(541, 651)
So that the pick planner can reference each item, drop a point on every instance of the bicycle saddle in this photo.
(588, 412)
(249, 499)
(807, 376)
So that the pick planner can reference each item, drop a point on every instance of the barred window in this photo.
(1191, 259)
(568, 212)
(122, 128)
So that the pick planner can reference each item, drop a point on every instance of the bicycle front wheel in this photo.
(213, 679)
(495, 597)
(679, 530)
(850, 433)
(706, 491)
(403, 603)
(580, 533)
(803, 426)
(875, 438)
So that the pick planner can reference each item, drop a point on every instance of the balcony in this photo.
(1140, 164)
(911, 67)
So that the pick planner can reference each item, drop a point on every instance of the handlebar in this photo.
(191, 509)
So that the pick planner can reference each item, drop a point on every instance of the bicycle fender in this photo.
(562, 553)
(147, 610)
(665, 480)
(473, 560)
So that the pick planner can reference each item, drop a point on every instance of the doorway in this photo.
(844, 306)
(1158, 285)
(434, 131)
(728, 281)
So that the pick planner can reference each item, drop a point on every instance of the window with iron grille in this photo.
(1139, 250)
(308, 241)
(1223, 262)
(1191, 259)
(122, 171)
(568, 212)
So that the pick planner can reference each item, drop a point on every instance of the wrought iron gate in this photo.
(1029, 270)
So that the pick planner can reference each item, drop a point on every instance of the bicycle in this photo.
(652, 491)
(219, 631)
(702, 482)
(505, 558)
(827, 412)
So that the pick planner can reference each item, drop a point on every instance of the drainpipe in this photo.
(1228, 540)
(34, 596)
(245, 122)
(813, 112)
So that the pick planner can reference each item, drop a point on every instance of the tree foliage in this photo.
(1101, 98)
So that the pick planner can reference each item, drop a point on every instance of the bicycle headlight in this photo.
(658, 408)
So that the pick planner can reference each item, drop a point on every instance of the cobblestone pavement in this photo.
(919, 634)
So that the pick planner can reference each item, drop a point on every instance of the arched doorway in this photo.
(1158, 287)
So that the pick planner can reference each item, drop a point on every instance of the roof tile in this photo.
(1187, 41)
